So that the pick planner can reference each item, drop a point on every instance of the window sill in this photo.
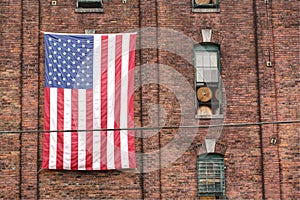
(206, 10)
(89, 10)
(209, 116)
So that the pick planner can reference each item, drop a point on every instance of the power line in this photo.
(158, 127)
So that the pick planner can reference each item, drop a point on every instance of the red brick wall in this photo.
(164, 56)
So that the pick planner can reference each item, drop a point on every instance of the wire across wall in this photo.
(158, 127)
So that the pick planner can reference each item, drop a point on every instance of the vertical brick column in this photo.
(268, 99)
(149, 98)
(285, 18)
(30, 74)
(10, 51)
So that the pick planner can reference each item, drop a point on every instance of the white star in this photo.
(50, 82)
(54, 78)
(64, 44)
(54, 44)
(68, 75)
(50, 56)
(59, 74)
(69, 49)
(78, 41)
(88, 41)
(50, 73)
(59, 40)
(54, 69)
(74, 45)
(50, 39)
(68, 83)
(69, 40)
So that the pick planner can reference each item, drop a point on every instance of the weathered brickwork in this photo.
(261, 161)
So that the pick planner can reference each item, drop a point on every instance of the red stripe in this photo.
(89, 126)
(46, 142)
(131, 148)
(60, 126)
(118, 72)
(104, 60)
(74, 139)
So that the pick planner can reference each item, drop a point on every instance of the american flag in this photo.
(89, 85)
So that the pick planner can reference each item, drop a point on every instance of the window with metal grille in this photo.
(208, 80)
(211, 176)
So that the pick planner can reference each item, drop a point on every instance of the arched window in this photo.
(211, 176)
(208, 80)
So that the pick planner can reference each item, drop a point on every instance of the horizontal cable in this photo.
(158, 127)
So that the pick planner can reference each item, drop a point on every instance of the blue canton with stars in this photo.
(69, 61)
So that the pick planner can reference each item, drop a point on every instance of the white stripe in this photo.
(96, 101)
(81, 126)
(67, 126)
(124, 102)
(53, 126)
(111, 100)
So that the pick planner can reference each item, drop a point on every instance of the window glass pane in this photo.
(214, 75)
(200, 74)
(199, 59)
(206, 59)
(213, 59)
(207, 75)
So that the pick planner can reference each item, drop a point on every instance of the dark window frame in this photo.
(216, 102)
(210, 4)
(89, 6)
